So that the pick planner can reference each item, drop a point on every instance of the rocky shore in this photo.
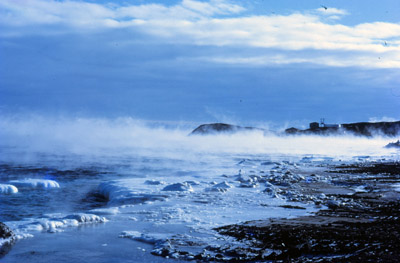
(359, 227)
(7, 239)
(368, 234)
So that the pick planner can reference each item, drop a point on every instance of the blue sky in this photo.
(234, 61)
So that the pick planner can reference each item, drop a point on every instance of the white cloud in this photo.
(330, 11)
(327, 59)
(220, 23)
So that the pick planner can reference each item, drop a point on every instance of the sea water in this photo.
(90, 190)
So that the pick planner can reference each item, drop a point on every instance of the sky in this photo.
(244, 62)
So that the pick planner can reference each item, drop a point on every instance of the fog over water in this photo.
(120, 136)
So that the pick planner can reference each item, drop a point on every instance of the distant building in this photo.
(322, 124)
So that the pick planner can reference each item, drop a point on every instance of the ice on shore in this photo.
(145, 238)
(221, 187)
(129, 191)
(35, 183)
(86, 218)
(8, 189)
(154, 182)
(180, 187)
(105, 211)
(26, 227)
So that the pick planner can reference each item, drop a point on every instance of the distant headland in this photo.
(359, 128)
(221, 128)
(368, 129)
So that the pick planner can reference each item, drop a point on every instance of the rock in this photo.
(393, 144)
(221, 127)
(7, 239)
(332, 204)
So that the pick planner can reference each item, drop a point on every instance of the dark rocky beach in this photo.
(7, 239)
(355, 227)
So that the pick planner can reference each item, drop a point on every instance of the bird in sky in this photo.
(324, 7)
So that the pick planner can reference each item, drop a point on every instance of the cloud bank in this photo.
(316, 36)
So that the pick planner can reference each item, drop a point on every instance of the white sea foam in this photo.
(8, 189)
(36, 183)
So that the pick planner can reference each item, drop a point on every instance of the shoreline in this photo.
(359, 227)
